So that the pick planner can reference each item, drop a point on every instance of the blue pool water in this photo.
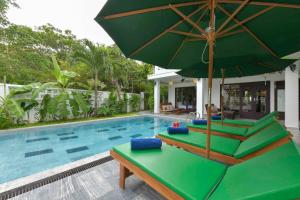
(26, 152)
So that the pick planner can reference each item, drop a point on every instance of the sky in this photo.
(75, 15)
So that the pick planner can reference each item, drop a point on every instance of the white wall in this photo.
(34, 114)
(292, 97)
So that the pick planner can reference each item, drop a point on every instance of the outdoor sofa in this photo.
(178, 174)
(244, 123)
(227, 150)
(233, 132)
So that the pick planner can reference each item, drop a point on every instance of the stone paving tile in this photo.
(98, 183)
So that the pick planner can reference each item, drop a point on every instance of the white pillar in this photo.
(171, 94)
(157, 97)
(292, 97)
(200, 97)
(272, 96)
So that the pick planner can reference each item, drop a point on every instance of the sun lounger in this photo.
(243, 123)
(274, 175)
(177, 174)
(227, 150)
(233, 132)
(174, 173)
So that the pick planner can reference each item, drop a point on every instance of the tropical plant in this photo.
(10, 110)
(93, 55)
(57, 107)
(135, 101)
(104, 111)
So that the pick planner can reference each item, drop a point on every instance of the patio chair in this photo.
(244, 123)
(233, 132)
(227, 150)
(167, 108)
(177, 174)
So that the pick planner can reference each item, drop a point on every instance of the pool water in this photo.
(26, 152)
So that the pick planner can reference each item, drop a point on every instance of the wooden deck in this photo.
(101, 182)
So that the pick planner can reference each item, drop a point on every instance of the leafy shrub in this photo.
(10, 112)
(135, 102)
(104, 111)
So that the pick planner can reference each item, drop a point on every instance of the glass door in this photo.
(254, 100)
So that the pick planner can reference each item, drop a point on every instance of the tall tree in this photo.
(94, 56)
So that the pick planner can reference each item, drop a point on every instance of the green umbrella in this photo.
(203, 33)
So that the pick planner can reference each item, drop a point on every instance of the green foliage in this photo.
(135, 102)
(10, 112)
(104, 111)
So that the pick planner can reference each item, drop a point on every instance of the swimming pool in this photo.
(26, 152)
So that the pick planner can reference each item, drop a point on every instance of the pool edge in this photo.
(25, 184)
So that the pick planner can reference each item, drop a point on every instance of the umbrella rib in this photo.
(186, 39)
(231, 33)
(164, 32)
(259, 41)
(247, 19)
(187, 34)
(147, 10)
(233, 15)
(260, 3)
(186, 18)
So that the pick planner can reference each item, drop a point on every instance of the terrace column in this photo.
(272, 96)
(156, 96)
(200, 96)
(292, 96)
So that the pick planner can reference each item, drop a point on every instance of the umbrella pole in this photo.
(222, 97)
(211, 41)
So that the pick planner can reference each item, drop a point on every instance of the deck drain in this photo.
(26, 188)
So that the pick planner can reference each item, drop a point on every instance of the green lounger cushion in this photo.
(219, 144)
(247, 122)
(258, 126)
(260, 140)
(223, 129)
(274, 175)
(190, 176)
(236, 130)
(238, 122)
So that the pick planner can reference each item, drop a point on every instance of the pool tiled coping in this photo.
(17, 183)
(11, 185)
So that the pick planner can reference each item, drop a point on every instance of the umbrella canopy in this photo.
(200, 33)
(238, 70)
(173, 33)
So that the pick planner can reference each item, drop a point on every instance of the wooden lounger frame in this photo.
(221, 157)
(127, 168)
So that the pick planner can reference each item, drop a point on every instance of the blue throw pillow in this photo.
(216, 117)
(180, 130)
(200, 121)
(145, 143)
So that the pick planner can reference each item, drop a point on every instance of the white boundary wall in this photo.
(34, 114)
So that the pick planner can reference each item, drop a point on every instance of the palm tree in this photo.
(93, 56)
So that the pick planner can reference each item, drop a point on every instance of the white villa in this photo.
(247, 97)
